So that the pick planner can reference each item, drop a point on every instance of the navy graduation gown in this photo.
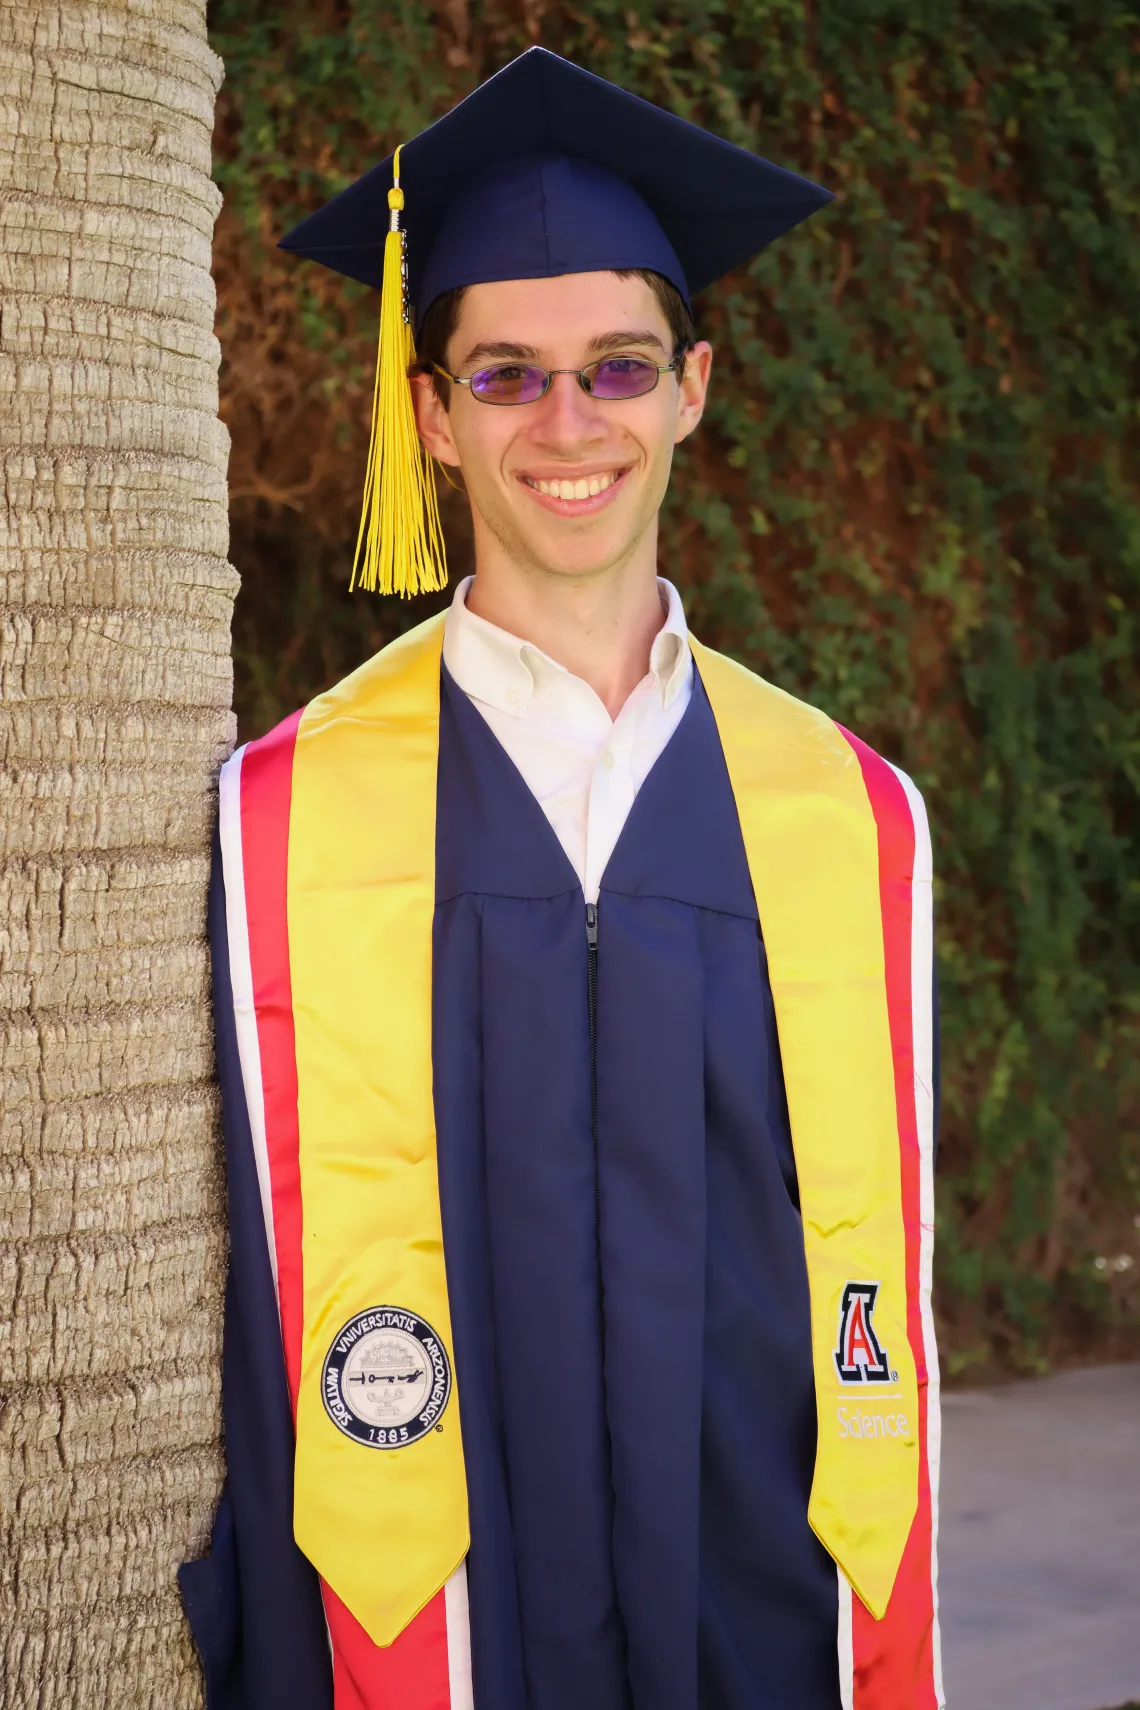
(626, 1276)
(625, 1257)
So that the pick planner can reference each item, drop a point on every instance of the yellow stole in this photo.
(361, 896)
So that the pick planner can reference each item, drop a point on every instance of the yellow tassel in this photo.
(400, 533)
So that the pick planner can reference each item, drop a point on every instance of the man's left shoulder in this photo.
(748, 705)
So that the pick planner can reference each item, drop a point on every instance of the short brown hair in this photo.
(442, 319)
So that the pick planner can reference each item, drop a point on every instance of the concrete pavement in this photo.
(1040, 1543)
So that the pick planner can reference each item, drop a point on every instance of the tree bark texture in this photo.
(114, 715)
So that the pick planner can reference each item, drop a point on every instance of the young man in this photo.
(575, 1031)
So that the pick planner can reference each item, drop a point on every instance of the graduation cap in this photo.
(544, 169)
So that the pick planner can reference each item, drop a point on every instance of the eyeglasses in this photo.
(611, 378)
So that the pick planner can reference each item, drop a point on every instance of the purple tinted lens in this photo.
(623, 377)
(509, 383)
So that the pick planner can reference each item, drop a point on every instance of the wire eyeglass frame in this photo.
(584, 377)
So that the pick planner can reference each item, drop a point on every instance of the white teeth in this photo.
(587, 488)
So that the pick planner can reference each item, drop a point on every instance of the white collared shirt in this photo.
(583, 768)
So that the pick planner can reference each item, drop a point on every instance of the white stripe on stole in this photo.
(922, 982)
(241, 982)
(458, 1612)
(846, 1644)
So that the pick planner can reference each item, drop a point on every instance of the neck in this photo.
(601, 627)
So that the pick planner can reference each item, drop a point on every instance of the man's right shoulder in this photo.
(248, 762)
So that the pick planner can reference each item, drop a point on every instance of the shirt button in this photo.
(513, 697)
(607, 760)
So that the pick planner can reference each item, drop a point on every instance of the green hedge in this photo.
(914, 501)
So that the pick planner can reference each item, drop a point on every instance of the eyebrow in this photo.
(505, 350)
(623, 340)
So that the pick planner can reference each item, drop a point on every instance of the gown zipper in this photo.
(592, 1004)
(592, 1001)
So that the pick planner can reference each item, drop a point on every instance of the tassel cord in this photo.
(399, 545)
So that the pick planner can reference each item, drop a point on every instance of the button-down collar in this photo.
(504, 672)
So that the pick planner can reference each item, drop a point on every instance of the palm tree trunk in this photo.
(114, 714)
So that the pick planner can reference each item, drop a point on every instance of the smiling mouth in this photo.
(585, 487)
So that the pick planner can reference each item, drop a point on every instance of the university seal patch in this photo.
(859, 1358)
(386, 1379)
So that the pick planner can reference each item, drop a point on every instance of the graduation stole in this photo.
(344, 1127)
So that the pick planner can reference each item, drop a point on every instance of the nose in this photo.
(568, 417)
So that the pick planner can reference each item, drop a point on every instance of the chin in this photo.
(572, 552)
(584, 556)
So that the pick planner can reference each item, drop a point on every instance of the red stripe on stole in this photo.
(894, 1658)
(412, 1673)
(266, 797)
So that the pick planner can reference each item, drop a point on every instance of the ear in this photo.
(433, 421)
(694, 388)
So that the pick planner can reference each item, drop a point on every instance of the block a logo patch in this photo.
(386, 1379)
(859, 1357)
